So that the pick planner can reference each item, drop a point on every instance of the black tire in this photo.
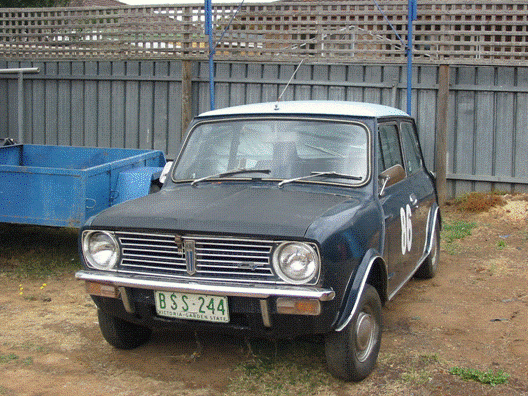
(120, 333)
(429, 267)
(351, 354)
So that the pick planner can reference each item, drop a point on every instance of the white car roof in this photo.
(311, 107)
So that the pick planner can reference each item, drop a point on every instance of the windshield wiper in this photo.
(230, 173)
(318, 174)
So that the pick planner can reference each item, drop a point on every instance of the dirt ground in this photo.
(474, 314)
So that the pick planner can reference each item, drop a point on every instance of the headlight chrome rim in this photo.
(95, 257)
(311, 274)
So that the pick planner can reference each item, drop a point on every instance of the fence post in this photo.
(186, 104)
(20, 72)
(441, 132)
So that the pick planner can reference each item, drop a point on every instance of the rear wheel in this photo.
(120, 333)
(429, 267)
(351, 354)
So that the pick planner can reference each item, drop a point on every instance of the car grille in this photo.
(197, 257)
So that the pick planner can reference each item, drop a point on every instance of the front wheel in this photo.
(120, 333)
(351, 353)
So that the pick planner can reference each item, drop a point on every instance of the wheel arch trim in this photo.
(371, 259)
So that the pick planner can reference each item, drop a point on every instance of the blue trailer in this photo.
(63, 186)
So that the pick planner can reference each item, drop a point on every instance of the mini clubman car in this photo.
(276, 220)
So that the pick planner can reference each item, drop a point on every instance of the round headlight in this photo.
(101, 249)
(296, 262)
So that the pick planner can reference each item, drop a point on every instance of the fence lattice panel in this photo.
(491, 31)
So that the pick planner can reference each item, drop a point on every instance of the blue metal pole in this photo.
(412, 16)
(209, 31)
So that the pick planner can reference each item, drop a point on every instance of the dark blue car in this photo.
(276, 220)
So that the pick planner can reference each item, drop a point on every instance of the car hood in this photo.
(227, 208)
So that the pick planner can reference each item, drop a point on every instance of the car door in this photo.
(399, 202)
(422, 189)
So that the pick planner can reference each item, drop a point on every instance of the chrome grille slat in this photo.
(217, 258)
(127, 254)
(231, 263)
(137, 260)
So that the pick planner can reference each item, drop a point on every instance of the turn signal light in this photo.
(298, 306)
(102, 289)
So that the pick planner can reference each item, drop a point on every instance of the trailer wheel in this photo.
(120, 333)
(351, 353)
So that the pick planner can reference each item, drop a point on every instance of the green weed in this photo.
(457, 230)
(8, 358)
(418, 377)
(501, 244)
(489, 377)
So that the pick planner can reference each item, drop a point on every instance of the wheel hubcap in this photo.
(365, 335)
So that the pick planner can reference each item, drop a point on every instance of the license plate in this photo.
(192, 306)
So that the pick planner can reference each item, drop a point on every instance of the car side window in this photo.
(389, 147)
(413, 158)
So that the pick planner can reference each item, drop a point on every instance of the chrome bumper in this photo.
(203, 287)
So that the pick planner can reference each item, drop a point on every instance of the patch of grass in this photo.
(417, 377)
(456, 230)
(476, 202)
(489, 377)
(11, 357)
(38, 252)
(8, 358)
(501, 244)
(292, 368)
(430, 358)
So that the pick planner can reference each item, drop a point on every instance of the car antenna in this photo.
(287, 85)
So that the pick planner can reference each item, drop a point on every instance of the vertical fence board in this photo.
(51, 99)
(4, 103)
(77, 104)
(91, 107)
(254, 89)
(425, 113)
(270, 91)
(464, 152)
(174, 116)
(485, 127)
(356, 75)
(38, 132)
(146, 106)
(504, 127)
(238, 90)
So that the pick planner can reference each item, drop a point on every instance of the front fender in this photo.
(372, 266)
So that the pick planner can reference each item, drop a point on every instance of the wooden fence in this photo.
(147, 104)
(355, 31)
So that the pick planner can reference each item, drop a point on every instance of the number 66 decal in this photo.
(406, 229)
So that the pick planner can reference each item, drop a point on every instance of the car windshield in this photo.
(282, 148)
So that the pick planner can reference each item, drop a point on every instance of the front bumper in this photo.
(231, 289)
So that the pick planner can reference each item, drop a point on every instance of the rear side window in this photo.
(413, 158)
(389, 146)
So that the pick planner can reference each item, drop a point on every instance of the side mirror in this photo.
(391, 176)
(165, 172)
